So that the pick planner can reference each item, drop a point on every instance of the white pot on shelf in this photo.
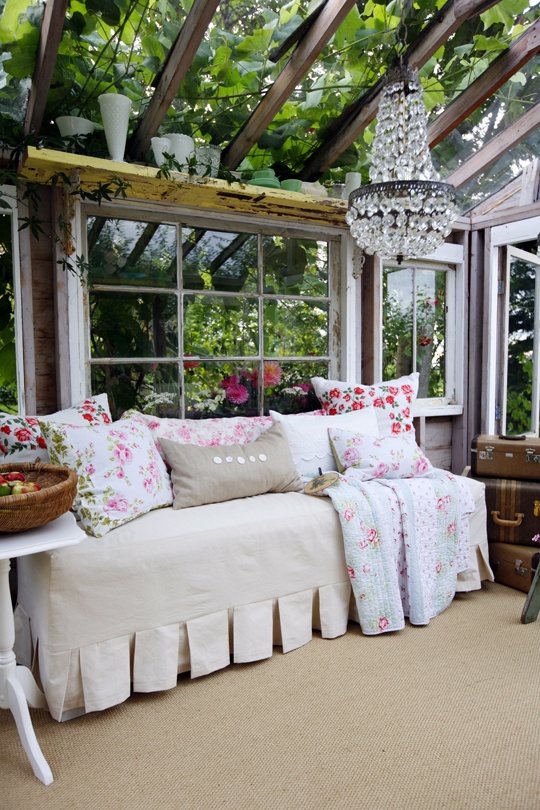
(115, 109)
(182, 148)
(70, 125)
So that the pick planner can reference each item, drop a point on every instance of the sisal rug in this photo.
(443, 716)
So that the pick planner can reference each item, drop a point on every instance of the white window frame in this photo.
(78, 327)
(526, 230)
(448, 257)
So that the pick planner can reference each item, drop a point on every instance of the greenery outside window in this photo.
(521, 386)
(202, 322)
(10, 351)
(418, 327)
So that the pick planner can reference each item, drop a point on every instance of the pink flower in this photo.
(123, 454)
(407, 389)
(118, 503)
(347, 397)
(272, 374)
(106, 419)
(227, 381)
(351, 455)
(88, 417)
(393, 390)
(396, 427)
(378, 403)
(421, 466)
(90, 469)
(335, 393)
(89, 407)
(348, 514)
(383, 623)
(351, 571)
(237, 394)
(23, 434)
(358, 391)
(389, 399)
(6, 429)
(373, 537)
(31, 420)
(380, 470)
(438, 567)
(357, 406)
(149, 484)
(366, 569)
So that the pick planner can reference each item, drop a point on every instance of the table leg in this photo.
(17, 685)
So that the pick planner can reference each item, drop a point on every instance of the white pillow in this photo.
(369, 457)
(393, 401)
(120, 472)
(308, 436)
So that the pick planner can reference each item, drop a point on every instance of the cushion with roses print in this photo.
(20, 436)
(393, 401)
(370, 457)
(120, 472)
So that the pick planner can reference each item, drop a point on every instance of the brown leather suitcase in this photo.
(513, 511)
(514, 565)
(511, 457)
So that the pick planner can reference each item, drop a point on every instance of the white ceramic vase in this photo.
(115, 109)
(182, 147)
(208, 157)
(160, 145)
(70, 125)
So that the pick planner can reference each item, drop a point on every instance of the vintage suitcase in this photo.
(513, 511)
(508, 456)
(514, 565)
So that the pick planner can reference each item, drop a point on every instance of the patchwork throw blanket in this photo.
(405, 542)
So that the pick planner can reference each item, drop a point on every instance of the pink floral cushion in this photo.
(203, 432)
(392, 400)
(370, 457)
(120, 472)
(20, 436)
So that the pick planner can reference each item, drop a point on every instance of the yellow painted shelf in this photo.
(40, 165)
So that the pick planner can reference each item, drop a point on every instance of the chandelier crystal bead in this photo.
(405, 211)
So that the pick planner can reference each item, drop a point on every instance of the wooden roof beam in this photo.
(49, 39)
(304, 55)
(174, 70)
(357, 116)
(497, 146)
(297, 34)
(501, 69)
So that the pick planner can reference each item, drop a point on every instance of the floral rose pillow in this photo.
(203, 432)
(370, 457)
(120, 472)
(20, 436)
(393, 401)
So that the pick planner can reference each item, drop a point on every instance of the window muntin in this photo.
(237, 321)
(418, 303)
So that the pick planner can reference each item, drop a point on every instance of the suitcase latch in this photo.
(537, 508)
(518, 568)
(531, 456)
(487, 453)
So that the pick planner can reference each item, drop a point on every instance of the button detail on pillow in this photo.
(199, 475)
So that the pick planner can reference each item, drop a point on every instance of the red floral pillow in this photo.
(20, 436)
(392, 400)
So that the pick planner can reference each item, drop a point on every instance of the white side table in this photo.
(18, 689)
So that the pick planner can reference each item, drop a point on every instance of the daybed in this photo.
(184, 590)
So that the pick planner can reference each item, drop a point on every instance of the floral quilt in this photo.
(405, 542)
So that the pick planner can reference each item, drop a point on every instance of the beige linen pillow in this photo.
(220, 473)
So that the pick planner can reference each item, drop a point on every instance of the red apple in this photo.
(14, 476)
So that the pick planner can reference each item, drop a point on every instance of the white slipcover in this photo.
(177, 591)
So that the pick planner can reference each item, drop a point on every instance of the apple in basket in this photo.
(21, 488)
(14, 483)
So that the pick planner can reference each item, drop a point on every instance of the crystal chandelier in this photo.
(405, 211)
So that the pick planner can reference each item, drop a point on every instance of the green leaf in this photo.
(106, 9)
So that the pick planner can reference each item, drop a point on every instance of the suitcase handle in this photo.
(501, 522)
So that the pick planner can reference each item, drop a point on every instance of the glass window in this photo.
(8, 353)
(232, 323)
(415, 327)
(521, 400)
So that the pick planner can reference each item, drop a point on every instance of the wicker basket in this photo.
(33, 509)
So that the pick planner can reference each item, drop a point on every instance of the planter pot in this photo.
(70, 125)
(208, 157)
(160, 145)
(182, 148)
(115, 110)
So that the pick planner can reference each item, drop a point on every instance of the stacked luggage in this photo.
(510, 469)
